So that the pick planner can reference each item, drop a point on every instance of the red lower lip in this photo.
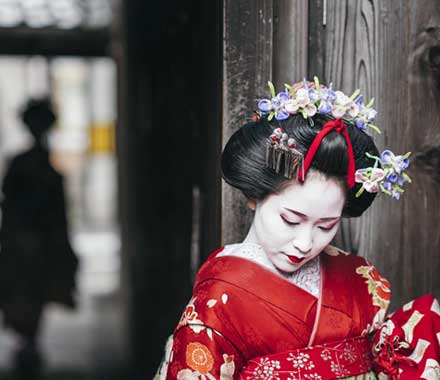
(294, 259)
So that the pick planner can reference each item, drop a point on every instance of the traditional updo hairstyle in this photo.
(244, 158)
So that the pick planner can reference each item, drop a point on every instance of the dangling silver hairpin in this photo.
(281, 154)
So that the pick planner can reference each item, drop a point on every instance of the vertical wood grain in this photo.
(391, 51)
(290, 41)
(263, 40)
(247, 66)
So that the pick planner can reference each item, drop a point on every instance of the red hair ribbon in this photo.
(339, 126)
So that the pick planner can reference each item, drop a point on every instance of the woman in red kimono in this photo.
(284, 304)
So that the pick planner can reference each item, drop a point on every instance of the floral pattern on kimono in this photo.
(407, 346)
(241, 312)
(380, 290)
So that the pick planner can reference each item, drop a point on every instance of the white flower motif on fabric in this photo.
(338, 369)
(349, 354)
(266, 370)
(313, 376)
(326, 354)
(308, 277)
(301, 360)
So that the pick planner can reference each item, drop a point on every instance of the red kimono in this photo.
(246, 322)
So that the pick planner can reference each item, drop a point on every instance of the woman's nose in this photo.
(303, 242)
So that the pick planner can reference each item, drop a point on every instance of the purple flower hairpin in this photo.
(389, 179)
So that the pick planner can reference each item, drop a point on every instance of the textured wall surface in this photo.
(390, 49)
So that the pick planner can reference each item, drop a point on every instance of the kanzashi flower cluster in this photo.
(309, 101)
(389, 179)
(389, 171)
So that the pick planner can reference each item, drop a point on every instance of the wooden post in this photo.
(247, 66)
(208, 173)
(158, 98)
(263, 40)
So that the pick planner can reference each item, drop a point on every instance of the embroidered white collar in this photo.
(308, 277)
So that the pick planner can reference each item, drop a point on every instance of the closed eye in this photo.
(296, 223)
(288, 222)
(327, 228)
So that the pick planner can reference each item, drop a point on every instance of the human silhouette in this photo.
(37, 263)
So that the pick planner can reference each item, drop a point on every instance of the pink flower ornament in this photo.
(292, 106)
(310, 109)
(301, 102)
(352, 110)
(370, 178)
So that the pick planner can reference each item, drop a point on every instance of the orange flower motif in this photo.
(378, 286)
(199, 358)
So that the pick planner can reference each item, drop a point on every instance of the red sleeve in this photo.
(198, 350)
(407, 345)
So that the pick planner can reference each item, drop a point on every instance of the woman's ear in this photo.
(251, 204)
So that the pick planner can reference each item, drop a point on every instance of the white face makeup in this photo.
(295, 225)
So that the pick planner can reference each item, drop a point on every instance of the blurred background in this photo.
(84, 192)
(145, 95)
(40, 59)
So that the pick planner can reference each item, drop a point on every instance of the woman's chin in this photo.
(287, 268)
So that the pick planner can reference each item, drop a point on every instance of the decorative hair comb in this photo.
(281, 150)
(342, 111)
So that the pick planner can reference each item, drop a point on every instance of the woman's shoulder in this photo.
(350, 264)
(338, 255)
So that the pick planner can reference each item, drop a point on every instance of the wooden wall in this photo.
(391, 50)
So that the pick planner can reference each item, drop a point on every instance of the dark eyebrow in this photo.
(305, 216)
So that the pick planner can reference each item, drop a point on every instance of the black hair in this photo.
(244, 158)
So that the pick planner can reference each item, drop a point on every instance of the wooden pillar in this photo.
(247, 66)
(263, 40)
(390, 50)
(209, 136)
(158, 100)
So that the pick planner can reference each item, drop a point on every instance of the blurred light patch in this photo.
(58, 14)
(99, 255)
(10, 13)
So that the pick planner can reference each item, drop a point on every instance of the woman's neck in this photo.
(251, 236)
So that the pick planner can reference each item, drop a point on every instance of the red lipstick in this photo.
(295, 260)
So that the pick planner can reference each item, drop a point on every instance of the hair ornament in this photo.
(339, 126)
(389, 179)
(281, 154)
(309, 101)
